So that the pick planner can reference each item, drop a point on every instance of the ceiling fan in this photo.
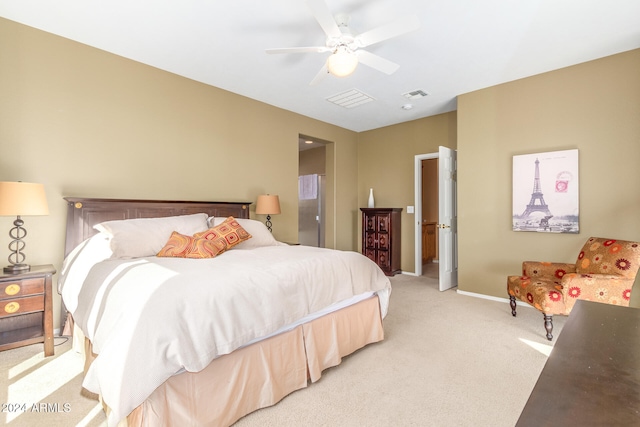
(346, 47)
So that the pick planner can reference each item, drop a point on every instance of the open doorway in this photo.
(426, 215)
(445, 231)
(312, 192)
(429, 218)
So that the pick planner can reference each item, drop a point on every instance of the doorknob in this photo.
(443, 226)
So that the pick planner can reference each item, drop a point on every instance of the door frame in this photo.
(418, 207)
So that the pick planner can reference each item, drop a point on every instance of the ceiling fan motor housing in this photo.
(346, 39)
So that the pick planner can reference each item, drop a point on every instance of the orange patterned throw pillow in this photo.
(206, 244)
(181, 246)
(226, 235)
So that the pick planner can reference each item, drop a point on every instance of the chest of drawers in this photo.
(381, 237)
(26, 309)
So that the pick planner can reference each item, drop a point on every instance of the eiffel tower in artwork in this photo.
(537, 203)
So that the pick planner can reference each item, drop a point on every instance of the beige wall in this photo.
(312, 161)
(594, 107)
(88, 123)
(386, 159)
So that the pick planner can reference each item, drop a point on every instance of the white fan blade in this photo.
(384, 32)
(320, 76)
(377, 62)
(324, 17)
(318, 49)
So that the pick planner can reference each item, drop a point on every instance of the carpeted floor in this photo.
(39, 391)
(447, 360)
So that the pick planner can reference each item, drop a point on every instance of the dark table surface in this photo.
(592, 377)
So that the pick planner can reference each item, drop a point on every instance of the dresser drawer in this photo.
(19, 288)
(15, 306)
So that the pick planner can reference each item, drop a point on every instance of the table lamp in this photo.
(18, 199)
(268, 205)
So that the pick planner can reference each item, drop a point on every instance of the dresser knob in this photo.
(12, 289)
(12, 307)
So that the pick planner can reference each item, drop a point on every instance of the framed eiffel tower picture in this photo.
(545, 192)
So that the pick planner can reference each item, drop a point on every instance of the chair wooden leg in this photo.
(548, 325)
(512, 303)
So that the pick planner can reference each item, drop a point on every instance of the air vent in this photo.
(416, 94)
(350, 99)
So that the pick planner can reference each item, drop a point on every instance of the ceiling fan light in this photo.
(342, 63)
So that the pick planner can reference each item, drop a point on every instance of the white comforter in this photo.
(150, 318)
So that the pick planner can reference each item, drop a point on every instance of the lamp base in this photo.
(17, 268)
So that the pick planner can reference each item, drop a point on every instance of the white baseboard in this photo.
(476, 295)
(492, 298)
(409, 273)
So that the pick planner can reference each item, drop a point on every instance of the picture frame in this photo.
(546, 192)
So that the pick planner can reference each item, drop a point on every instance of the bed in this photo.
(173, 340)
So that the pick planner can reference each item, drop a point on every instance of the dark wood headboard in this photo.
(84, 213)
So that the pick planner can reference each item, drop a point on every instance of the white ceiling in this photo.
(461, 46)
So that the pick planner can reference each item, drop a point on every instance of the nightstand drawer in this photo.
(15, 306)
(19, 288)
(26, 308)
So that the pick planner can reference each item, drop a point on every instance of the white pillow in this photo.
(140, 237)
(260, 234)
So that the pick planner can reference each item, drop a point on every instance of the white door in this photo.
(447, 218)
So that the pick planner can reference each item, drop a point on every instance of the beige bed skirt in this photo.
(260, 375)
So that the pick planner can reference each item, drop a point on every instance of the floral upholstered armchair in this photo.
(604, 272)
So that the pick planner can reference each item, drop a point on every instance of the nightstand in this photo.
(26, 308)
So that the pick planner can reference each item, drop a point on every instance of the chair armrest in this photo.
(606, 288)
(547, 269)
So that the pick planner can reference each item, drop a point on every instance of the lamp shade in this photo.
(268, 204)
(343, 62)
(22, 198)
